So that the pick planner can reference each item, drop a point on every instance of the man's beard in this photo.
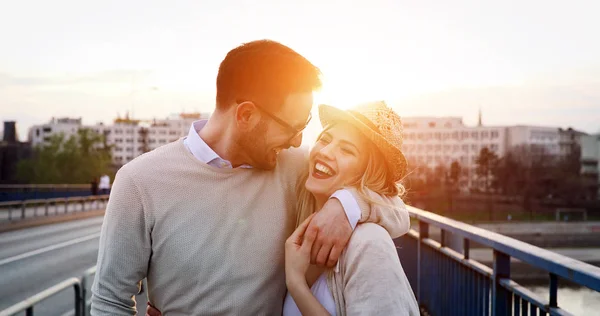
(254, 145)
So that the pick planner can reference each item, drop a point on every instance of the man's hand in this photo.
(333, 233)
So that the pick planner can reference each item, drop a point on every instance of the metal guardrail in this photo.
(18, 192)
(448, 282)
(81, 307)
(18, 210)
(43, 186)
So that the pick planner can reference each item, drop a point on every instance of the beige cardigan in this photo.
(369, 279)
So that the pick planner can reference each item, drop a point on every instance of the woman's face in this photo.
(338, 158)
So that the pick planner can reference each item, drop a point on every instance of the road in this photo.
(34, 259)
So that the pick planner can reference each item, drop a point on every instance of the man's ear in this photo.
(247, 116)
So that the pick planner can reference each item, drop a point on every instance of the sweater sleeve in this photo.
(375, 283)
(124, 250)
(390, 212)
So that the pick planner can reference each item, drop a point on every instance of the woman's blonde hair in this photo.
(375, 178)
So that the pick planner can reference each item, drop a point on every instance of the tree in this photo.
(486, 162)
(77, 159)
(455, 171)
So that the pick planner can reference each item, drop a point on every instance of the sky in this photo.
(520, 62)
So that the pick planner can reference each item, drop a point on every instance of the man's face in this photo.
(269, 137)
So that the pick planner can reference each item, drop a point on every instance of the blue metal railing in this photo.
(448, 282)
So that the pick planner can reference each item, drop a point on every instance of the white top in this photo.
(320, 291)
(104, 182)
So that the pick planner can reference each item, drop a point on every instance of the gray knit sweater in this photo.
(209, 241)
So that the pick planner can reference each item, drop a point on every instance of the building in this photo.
(590, 164)
(41, 134)
(128, 137)
(440, 141)
(11, 152)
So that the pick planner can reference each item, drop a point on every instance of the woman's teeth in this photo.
(324, 169)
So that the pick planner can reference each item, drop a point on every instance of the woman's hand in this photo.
(297, 253)
(152, 311)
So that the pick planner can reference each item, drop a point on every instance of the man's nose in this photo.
(296, 141)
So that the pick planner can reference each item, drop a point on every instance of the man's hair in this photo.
(265, 72)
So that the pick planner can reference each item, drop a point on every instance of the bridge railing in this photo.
(20, 210)
(445, 281)
(449, 282)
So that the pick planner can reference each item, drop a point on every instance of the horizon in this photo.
(532, 63)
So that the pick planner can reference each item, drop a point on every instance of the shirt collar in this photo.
(200, 149)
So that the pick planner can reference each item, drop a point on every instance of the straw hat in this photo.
(380, 124)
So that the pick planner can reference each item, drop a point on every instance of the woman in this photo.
(358, 149)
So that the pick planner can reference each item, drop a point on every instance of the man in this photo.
(205, 218)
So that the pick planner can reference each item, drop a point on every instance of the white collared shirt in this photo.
(201, 151)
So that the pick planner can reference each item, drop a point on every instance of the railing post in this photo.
(553, 290)
(29, 311)
(501, 298)
(77, 288)
(66, 205)
(423, 234)
(23, 207)
(46, 204)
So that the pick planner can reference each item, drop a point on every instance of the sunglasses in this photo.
(295, 131)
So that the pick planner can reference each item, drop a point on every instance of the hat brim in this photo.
(394, 157)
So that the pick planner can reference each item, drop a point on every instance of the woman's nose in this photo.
(327, 151)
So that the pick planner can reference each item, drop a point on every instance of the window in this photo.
(172, 132)
(129, 157)
(118, 131)
(437, 135)
(162, 132)
(448, 125)
(484, 134)
(465, 147)
(129, 149)
(163, 141)
(37, 132)
(438, 147)
(494, 134)
(454, 135)
(152, 141)
(129, 131)
(474, 147)
(47, 129)
(117, 149)
(445, 136)
(494, 147)
(464, 135)
(446, 148)
(431, 124)
(118, 140)
(129, 140)
(456, 148)
(474, 135)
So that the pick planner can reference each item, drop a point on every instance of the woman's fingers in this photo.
(298, 234)
(310, 235)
